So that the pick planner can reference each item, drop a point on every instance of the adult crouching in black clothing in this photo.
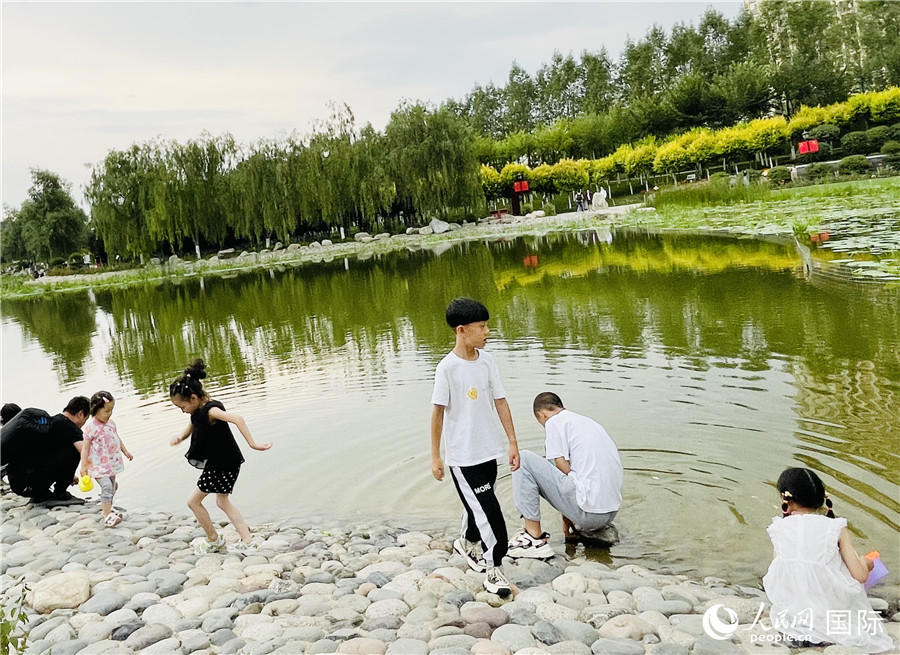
(44, 465)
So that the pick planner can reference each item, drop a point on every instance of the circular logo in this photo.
(715, 627)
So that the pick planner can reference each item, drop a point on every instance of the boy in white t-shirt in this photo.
(581, 477)
(468, 397)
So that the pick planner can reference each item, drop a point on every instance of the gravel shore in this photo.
(140, 588)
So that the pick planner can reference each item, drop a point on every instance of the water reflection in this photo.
(711, 360)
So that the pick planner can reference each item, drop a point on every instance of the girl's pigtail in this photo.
(830, 506)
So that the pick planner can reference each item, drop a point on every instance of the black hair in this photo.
(188, 384)
(462, 311)
(98, 400)
(8, 411)
(546, 400)
(78, 404)
(804, 488)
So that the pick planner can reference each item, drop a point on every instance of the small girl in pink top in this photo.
(102, 453)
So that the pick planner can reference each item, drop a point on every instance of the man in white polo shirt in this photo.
(581, 477)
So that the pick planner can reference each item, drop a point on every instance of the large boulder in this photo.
(61, 591)
(438, 226)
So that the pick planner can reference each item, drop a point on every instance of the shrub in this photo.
(878, 136)
(855, 143)
(824, 132)
(819, 171)
(825, 150)
(12, 622)
(779, 175)
(854, 164)
(895, 132)
(890, 148)
(549, 209)
(525, 208)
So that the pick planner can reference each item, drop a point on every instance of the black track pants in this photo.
(482, 520)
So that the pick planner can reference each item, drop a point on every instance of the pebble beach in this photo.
(367, 589)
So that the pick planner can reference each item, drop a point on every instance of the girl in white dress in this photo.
(815, 581)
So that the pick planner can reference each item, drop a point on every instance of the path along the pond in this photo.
(140, 588)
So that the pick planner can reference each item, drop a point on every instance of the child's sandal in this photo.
(112, 520)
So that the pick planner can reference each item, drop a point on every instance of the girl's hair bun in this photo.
(196, 370)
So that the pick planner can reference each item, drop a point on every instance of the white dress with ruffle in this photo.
(814, 598)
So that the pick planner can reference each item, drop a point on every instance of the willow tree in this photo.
(255, 194)
(432, 158)
(374, 190)
(188, 188)
(119, 193)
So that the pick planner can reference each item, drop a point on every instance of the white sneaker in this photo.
(524, 545)
(496, 583)
(205, 547)
(469, 552)
(242, 548)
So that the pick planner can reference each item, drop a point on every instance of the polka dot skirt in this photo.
(217, 481)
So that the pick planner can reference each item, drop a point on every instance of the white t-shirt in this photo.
(593, 457)
(467, 389)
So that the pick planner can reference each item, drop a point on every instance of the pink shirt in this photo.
(105, 456)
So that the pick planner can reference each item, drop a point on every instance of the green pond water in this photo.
(713, 362)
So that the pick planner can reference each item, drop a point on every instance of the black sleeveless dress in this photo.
(214, 449)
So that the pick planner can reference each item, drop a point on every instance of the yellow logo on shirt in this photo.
(473, 393)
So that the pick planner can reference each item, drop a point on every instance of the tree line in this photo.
(835, 125)
(210, 190)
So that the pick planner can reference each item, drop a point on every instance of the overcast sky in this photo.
(81, 79)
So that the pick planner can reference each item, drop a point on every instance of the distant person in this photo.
(42, 452)
(579, 202)
(468, 397)
(214, 451)
(101, 455)
(580, 476)
(816, 574)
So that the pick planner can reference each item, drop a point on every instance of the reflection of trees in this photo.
(856, 416)
(62, 324)
(618, 298)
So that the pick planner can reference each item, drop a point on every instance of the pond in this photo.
(712, 361)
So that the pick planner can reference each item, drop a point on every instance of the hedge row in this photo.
(701, 145)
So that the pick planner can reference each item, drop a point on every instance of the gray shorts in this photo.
(107, 488)
(538, 478)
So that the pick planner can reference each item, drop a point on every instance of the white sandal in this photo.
(112, 519)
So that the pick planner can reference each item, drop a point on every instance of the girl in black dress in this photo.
(214, 450)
